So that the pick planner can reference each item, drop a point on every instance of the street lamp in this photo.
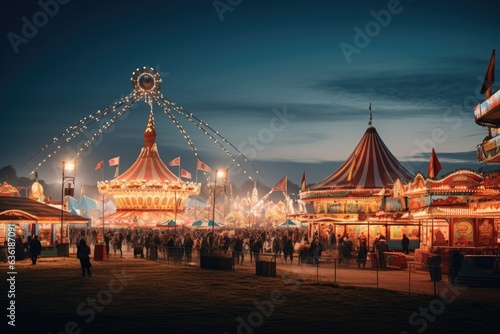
(67, 167)
(223, 175)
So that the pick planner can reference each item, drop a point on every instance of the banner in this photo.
(434, 165)
(185, 174)
(280, 186)
(114, 161)
(200, 165)
(175, 162)
(99, 165)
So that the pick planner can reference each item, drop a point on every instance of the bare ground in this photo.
(135, 295)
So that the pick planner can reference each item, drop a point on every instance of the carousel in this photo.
(148, 193)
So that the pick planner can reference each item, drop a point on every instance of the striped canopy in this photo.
(148, 165)
(204, 223)
(370, 165)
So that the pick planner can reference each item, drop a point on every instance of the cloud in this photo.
(423, 88)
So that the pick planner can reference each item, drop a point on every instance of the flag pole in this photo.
(196, 203)
(286, 200)
(102, 180)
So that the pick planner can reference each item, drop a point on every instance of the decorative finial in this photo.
(150, 133)
(370, 109)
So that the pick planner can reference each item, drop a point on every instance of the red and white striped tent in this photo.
(148, 165)
(370, 166)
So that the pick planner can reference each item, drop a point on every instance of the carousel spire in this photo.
(150, 132)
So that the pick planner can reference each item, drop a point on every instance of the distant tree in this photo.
(8, 174)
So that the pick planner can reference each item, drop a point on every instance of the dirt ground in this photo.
(128, 295)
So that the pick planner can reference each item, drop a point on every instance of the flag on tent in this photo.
(434, 165)
(489, 77)
(303, 183)
(99, 165)
(114, 161)
(200, 165)
(353, 167)
(117, 171)
(280, 186)
(185, 174)
(175, 162)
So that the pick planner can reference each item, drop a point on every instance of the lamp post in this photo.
(223, 175)
(66, 167)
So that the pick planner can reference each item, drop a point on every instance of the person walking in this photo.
(35, 249)
(188, 247)
(380, 250)
(288, 250)
(405, 243)
(83, 254)
(119, 244)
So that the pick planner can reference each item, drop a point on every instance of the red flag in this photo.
(114, 161)
(175, 162)
(99, 165)
(434, 165)
(185, 174)
(200, 165)
(280, 186)
(489, 77)
(303, 183)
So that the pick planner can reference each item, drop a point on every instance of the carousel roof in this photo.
(370, 165)
(148, 184)
(8, 190)
(148, 166)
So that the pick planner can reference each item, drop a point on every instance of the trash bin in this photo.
(139, 250)
(62, 249)
(434, 266)
(100, 252)
(265, 268)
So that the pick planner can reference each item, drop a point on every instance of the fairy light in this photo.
(203, 126)
(146, 84)
(80, 126)
(207, 134)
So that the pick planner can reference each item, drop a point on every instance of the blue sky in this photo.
(419, 66)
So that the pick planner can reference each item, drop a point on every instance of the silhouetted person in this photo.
(35, 248)
(83, 254)
(405, 243)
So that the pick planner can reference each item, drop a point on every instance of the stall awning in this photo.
(25, 210)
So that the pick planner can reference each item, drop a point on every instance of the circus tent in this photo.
(148, 192)
(359, 185)
(370, 165)
(354, 198)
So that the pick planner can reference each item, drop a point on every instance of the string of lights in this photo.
(146, 84)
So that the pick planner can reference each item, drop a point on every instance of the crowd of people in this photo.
(178, 244)
(286, 245)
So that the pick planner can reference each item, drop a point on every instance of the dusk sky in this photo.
(419, 63)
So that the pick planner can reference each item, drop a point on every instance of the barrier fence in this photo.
(412, 278)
